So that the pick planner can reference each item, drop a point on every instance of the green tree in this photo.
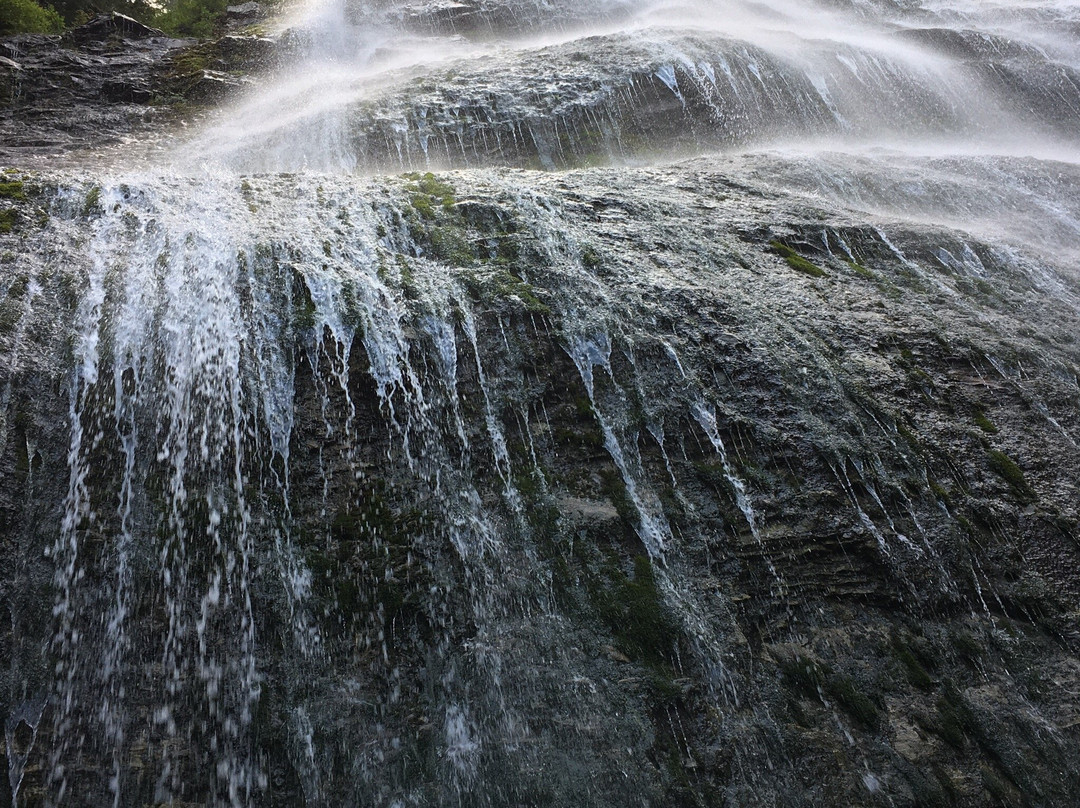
(27, 17)
(195, 18)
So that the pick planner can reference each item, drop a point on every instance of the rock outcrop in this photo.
(110, 81)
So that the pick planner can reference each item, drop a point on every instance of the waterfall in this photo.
(559, 403)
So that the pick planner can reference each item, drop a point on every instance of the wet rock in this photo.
(484, 18)
(127, 92)
(244, 13)
(749, 479)
(10, 79)
(102, 82)
(244, 52)
(110, 26)
(892, 606)
(88, 88)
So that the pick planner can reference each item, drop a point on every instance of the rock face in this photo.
(742, 479)
(62, 93)
(109, 81)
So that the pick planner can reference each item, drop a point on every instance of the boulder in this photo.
(244, 13)
(106, 26)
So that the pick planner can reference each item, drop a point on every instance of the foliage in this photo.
(27, 17)
(193, 18)
(181, 18)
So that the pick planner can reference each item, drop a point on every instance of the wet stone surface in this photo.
(529, 491)
(709, 466)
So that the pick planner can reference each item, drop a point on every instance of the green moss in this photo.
(529, 482)
(509, 285)
(429, 184)
(508, 250)
(427, 192)
(646, 630)
(953, 718)
(796, 261)
(590, 258)
(909, 436)
(406, 278)
(12, 190)
(10, 317)
(920, 377)
(448, 244)
(663, 687)
(370, 566)
(984, 423)
(635, 613)
(940, 493)
(248, 193)
(854, 702)
(966, 646)
(8, 219)
(1006, 468)
(583, 406)
(804, 675)
(861, 270)
(92, 202)
(916, 673)
(19, 286)
(500, 285)
(816, 680)
(422, 204)
(303, 306)
(614, 488)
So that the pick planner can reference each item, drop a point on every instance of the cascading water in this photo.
(730, 460)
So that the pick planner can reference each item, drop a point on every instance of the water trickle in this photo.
(20, 735)
(589, 354)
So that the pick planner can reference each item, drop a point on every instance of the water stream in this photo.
(489, 487)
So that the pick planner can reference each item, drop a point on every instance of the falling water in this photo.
(387, 487)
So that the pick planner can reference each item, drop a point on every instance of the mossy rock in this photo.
(13, 190)
(796, 261)
(862, 271)
(491, 287)
(92, 201)
(427, 193)
(984, 423)
(1008, 470)
(917, 674)
(816, 680)
(636, 614)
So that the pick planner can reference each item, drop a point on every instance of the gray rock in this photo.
(106, 26)
(244, 10)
